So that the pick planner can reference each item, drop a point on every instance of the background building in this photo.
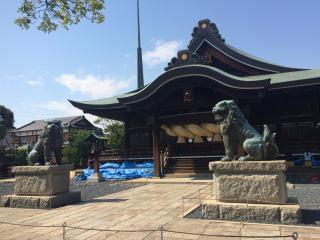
(30, 132)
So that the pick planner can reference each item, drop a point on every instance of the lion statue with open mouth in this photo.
(236, 130)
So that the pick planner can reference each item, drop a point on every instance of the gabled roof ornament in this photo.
(205, 29)
(186, 57)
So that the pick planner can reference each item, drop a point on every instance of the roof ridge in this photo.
(33, 121)
(207, 33)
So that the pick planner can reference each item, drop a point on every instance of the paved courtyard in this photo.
(137, 213)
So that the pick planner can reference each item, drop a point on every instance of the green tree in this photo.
(51, 14)
(114, 131)
(78, 150)
(6, 121)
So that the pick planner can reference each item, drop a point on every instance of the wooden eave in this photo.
(210, 73)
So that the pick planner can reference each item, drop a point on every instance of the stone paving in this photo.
(143, 208)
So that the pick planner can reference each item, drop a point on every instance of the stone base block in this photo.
(96, 178)
(4, 200)
(41, 202)
(251, 181)
(262, 213)
(42, 180)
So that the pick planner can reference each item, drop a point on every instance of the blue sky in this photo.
(39, 71)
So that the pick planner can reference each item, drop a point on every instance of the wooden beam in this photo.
(156, 151)
(126, 136)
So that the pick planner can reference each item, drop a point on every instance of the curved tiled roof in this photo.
(190, 64)
(39, 124)
(268, 81)
(211, 35)
(212, 73)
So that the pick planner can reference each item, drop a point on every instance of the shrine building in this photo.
(169, 120)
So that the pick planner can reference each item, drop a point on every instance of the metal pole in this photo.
(294, 235)
(182, 206)
(139, 53)
(10, 201)
(203, 213)
(85, 191)
(64, 230)
(161, 232)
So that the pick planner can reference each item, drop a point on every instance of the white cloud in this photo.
(162, 52)
(53, 109)
(93, 86)
(62, 108)
(35, 83)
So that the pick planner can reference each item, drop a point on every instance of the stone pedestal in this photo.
(254, 181)
(41, 187)
(96, 177)
(251, 191)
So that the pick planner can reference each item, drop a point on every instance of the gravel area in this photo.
(89, 191)
(6, 188)
(307, 194)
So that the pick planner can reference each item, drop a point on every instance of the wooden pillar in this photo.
(278, 139)
(95, 165)
(126, 139)
(156, 151)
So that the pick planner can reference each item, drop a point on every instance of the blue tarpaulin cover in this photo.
(126, 170)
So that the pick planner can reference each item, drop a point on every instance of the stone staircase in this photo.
(188, 167)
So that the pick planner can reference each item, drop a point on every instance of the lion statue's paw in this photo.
(246, 158)
(225, 159)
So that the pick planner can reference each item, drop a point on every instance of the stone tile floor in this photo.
(142, 208)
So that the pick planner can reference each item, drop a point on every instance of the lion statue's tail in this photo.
(271, 147)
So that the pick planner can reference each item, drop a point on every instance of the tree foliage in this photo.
(78, 149)
(50, 14)
(6, 121)
(114, 131)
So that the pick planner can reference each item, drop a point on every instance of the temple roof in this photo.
(209, 57)
(96, 135)
(268, 81)
(206, 35)
(291, 79)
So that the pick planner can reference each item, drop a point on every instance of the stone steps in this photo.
(188, 166)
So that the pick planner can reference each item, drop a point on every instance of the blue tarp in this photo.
(126, 170)
(301, 162)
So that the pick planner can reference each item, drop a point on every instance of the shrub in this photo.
(78, 149)
(114, 131)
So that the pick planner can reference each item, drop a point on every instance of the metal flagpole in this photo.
(139, 53)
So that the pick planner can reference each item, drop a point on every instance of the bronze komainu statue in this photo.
(236, 130)
(51, 140)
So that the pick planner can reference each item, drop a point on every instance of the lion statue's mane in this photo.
(236, 131)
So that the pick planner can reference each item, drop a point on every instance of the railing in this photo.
(162, 232)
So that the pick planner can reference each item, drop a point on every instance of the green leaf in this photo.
(49, 15)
